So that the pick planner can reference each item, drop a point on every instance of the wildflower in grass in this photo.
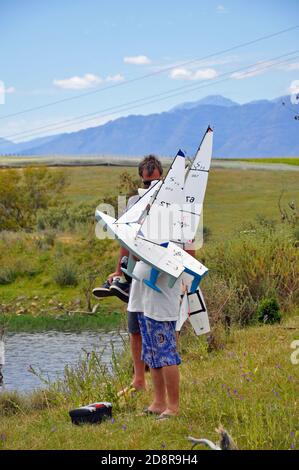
(2, 437)
(112, 420)
(124, 427)
(248, 379)
(163, 445)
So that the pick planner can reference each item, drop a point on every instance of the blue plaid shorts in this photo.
(158, 342)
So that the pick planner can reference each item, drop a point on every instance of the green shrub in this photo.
(11, 269)
(23, 193)
(7, 275)
(66, 274)
(46, 241)
(10, 403)
(265, 263)
(40, 223)
(268, 311)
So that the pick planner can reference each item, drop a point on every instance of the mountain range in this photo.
(263, 128)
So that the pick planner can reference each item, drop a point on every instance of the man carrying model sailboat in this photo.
(156, 230)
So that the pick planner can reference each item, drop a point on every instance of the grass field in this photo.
(250, 387)
(234, 199)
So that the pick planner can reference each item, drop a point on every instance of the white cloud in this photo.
(10, 89)
(253, 71)
(137, 60)
(181, 73)
(263, 67)
(115, 78)
(221, 9)
(4, 91)
(293, 66)
(89, 80)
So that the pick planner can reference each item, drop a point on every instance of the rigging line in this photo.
(142, 77)
(131, 105)
(128, 106)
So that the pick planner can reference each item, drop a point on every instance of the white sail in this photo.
(198, 318)
(163, 219)
(195, 187)
(183, 313)
(135, 212)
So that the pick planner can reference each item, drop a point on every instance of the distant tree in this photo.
(43, 187)
(23, 192)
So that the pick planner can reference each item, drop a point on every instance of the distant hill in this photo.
(5, 145)
(257, 129)
(216, 100)
(9, 147)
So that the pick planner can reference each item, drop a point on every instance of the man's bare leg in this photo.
(139, 366)
(172, 386)
(159, 402)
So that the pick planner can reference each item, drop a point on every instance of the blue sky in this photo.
(60, 49)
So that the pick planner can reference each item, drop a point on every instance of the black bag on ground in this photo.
(94, 413)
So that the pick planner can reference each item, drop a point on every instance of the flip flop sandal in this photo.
(164, 416)
(127, 391)
(147, 412)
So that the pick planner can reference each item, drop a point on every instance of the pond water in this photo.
(49, 352)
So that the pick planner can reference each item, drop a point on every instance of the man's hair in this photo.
(149, 163)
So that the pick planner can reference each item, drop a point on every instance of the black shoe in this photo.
(103, 291)
(120, 289)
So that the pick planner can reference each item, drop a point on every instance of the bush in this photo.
(296, 232)
(46, 241)
(10, 403)
(23, 193)
(11, 269)
(7, 275)
(66, 274)
(265, 263)
(268, 311)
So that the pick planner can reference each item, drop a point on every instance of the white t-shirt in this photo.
(136, 299)
(160, 306)
(164, 305)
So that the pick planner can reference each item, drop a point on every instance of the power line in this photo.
(153, 98)
(144, 101)
(166, 69)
